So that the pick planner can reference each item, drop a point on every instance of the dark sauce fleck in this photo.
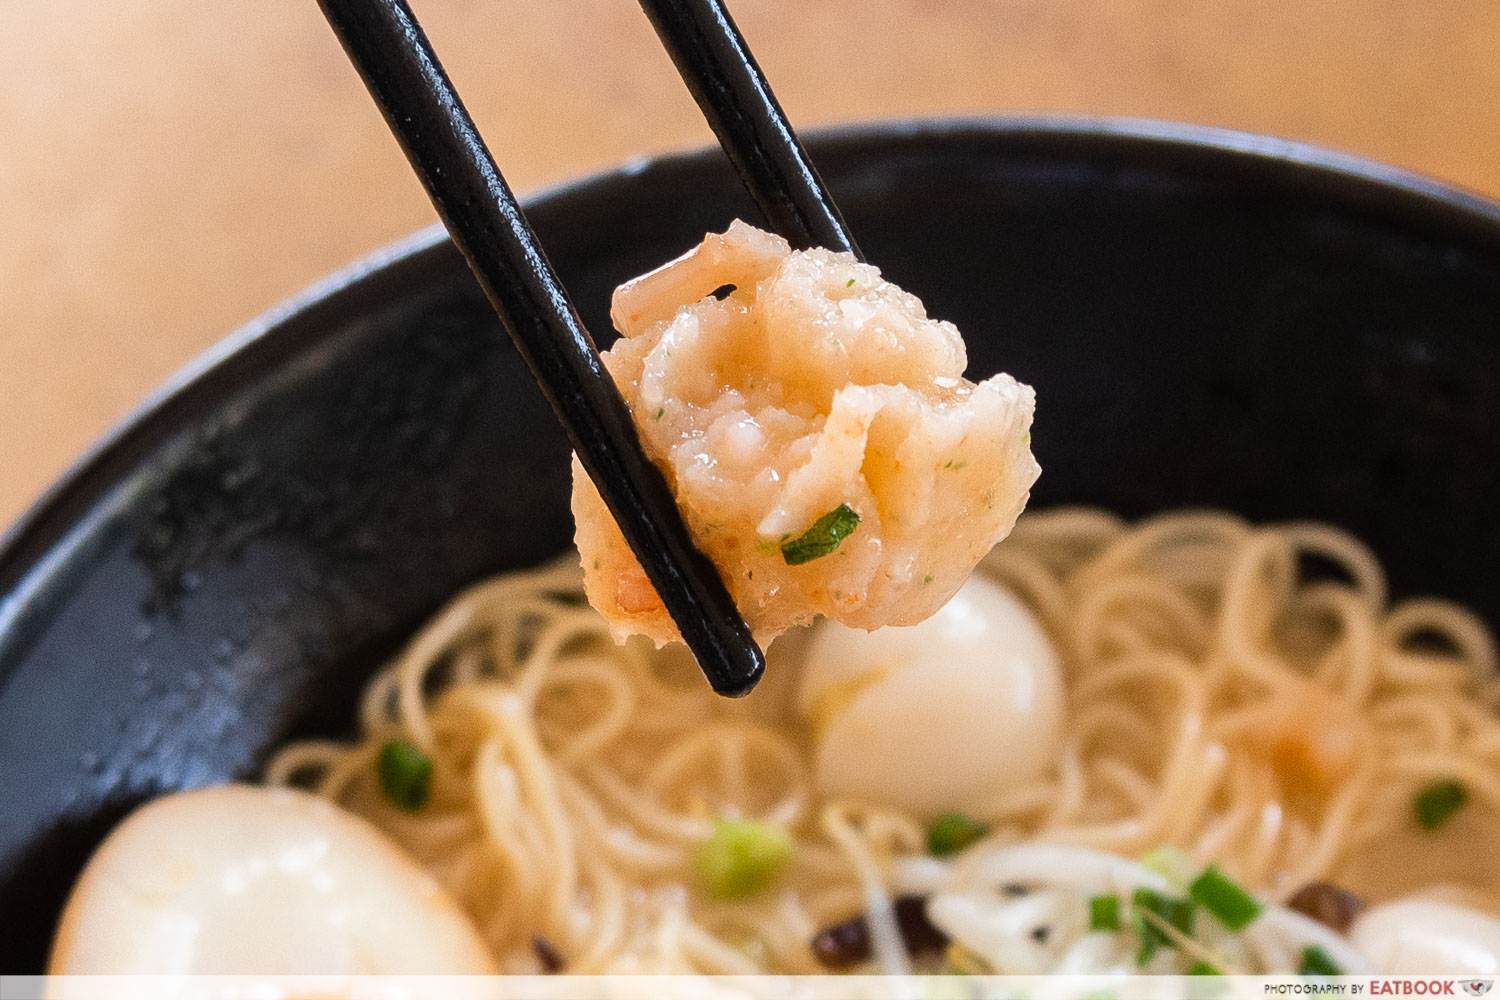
(546, 954)
(848, 943)
(1327, 904)
(843, 944)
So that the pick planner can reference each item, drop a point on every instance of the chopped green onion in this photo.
(952, 832)
(405, 774)
(741, 858)
(822, 538)
(1104, 913)
(1171, 864)
(1181, 915)
(1436, 804)
(1202, 968)
(1175, 912)
(1150, 939)
(1316, 962)
(849, 283)
(1222, 896)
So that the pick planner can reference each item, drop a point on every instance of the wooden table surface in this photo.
(169, 168)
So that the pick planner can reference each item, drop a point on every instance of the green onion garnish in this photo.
(1175, 912)
(1171, 864)
(1150, 939)
(1222, 896)
(405, 774)
(1316, 962)
(952, 832)
(1436, 804)
(1104, 913)
(741, 858)
(822, 538)
(1202, 968)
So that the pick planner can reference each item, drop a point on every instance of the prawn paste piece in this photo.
(816, 428)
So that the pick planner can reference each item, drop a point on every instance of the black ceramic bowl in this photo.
(1208, 318)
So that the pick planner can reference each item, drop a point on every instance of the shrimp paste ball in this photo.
(815, 425)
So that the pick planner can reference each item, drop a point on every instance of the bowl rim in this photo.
(291, 326)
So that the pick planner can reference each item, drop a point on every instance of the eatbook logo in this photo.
(1475, 987)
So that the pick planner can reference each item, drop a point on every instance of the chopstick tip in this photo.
(734, 674)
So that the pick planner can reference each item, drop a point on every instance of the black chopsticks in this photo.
(390, 51)
(717, 66)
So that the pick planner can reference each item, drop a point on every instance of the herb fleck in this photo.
(1104, 913)
(951, 833)
(1222, 896)
(741, 858)
(1317, 962)
(1153, 910)
(1436, 804)
(405, 774)
(826, 534)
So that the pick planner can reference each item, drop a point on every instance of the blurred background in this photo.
(169, 168)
